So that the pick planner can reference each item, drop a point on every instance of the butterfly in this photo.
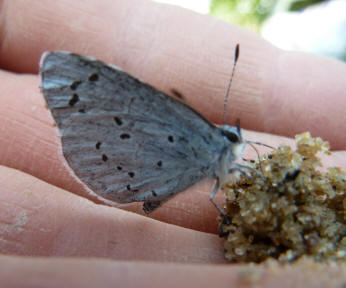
(129, 142)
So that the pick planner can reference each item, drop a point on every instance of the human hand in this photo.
(273, 91)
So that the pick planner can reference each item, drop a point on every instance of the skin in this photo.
(46, 212)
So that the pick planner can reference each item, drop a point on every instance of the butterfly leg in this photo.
(150, 206)
(241, 167)
(217, 184)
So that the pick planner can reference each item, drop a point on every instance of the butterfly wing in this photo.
(123, 138)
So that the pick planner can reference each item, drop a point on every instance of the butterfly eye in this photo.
(231, 136)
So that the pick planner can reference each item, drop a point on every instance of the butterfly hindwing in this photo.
(126, 140)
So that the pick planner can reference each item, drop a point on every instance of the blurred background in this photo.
(314, 26)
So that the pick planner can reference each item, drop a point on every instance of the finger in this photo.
(39, 219)
(29, 142)
(63, 272)
(171, 48)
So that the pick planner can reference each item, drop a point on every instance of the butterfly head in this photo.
(235, 137)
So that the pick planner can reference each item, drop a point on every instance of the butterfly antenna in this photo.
(236, 56)
(261, 144)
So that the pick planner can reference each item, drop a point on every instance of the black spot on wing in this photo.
(125, 136)
(75, 84)
(98, 145)
(118, 120)
(74, 99)
(93, 77)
